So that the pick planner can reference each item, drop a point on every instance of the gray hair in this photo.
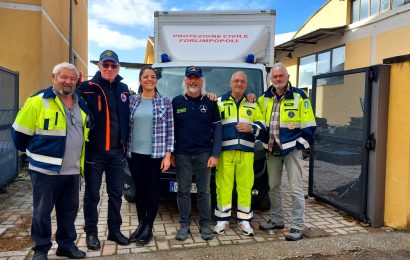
(279, 66)
(64, 65)
(239, 72)
(185, 90)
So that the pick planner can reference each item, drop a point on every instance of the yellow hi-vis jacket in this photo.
(40, 130)
(297, 121)
(231, 114)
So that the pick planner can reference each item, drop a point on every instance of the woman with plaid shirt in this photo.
(150, 144)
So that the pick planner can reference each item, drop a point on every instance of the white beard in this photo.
(194, 90)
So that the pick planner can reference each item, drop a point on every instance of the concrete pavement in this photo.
(321, 221)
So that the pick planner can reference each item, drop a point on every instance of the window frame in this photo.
(316, 62)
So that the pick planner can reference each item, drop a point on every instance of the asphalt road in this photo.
(390, 245)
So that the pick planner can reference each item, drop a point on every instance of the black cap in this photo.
(193, 70)
(109, 55)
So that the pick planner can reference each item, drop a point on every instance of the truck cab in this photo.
(220, 43)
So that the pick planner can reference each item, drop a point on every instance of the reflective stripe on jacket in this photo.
(40, 130)
(231, 114)
(297, 121)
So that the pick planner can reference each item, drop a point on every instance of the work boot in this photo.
(182, 233)
(294, 235)
(137, 233)
(206, 233)
(73, 253)
(93, 243)
(118, 237)
(270, 224)
(145, 236)
(40, 255)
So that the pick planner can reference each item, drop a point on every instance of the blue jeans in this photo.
(294, 171)
(187, 166)
(61, 191)
(112, 163)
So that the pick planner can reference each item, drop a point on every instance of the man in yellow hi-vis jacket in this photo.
(52, 128)
(290, 123)
(241, 123)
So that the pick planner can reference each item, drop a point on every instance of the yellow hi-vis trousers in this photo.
(234, 166)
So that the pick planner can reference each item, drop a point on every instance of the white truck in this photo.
(220, 43)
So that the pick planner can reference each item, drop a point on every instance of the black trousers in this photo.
(112, 163)
(145, 172)
(61, 192)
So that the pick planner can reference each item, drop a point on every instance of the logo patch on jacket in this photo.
(306, 104)
(181, 110)
(123, 97)
(203, 108)
(291, 114)
(249, 112)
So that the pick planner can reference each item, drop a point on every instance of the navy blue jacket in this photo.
(93, 93)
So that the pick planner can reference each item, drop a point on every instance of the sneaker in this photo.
(294, 235)
(182, 233)
(246, 228)
(206, 233)
(221, 226)
(268, 225)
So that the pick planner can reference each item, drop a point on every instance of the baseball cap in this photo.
(109, 55)
(193, 70)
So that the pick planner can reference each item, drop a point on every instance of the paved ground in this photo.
(321, 221)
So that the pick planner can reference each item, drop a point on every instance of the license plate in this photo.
(173, 187)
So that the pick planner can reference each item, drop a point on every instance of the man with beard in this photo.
(52, 128)
(290, 124)
(197, 148)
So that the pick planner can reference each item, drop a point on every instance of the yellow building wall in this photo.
(339, 102)
(393, 43)
(31, 45)
(332, 14)
(358, 53)
(20, 48)
(397, 200)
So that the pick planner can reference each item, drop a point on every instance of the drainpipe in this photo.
(70, 34)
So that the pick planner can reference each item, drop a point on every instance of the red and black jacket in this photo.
(93, 93)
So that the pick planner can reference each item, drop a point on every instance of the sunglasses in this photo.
(106, 66)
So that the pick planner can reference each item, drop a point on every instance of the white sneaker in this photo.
(246, 228)
(221, 226)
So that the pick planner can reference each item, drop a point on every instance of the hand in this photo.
(243, 127)
(173, 160)
(212, 162)
(251, 98)
(212, 96)
(166, 162)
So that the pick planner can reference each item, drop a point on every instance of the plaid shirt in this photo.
(274, 121)
(163, 125)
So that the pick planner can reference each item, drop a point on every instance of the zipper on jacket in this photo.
(56, 122)
(99, 103)
(107, 118)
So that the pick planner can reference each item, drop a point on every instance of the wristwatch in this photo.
(252, 130)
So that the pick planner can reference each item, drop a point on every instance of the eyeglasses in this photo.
(106, 66)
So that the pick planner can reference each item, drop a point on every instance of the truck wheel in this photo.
(129, 195)
(264, 203)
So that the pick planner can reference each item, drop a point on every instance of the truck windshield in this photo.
(217, 80)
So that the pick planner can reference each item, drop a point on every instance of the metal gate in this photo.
(9, 82)
(338, 168)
